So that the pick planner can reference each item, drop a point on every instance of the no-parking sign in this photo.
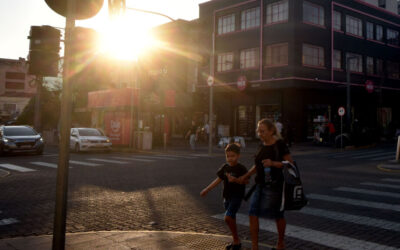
(341, 111)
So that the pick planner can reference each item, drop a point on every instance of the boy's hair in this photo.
(233, 147)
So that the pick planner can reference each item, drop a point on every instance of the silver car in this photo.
(88, 139)
(20, 139)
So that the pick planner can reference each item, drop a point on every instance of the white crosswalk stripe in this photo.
(180, 156)
(380, 185)
(44, 164)
(388, 157)
(108, 161)
(315, 236)
(133, 159)
(356, 219)
(366, 191)
(8, 221)
(391, 180)
(386, 154)
(354, 202)
(84, 163)
(154, 157)
(352, 153)
(16, 168)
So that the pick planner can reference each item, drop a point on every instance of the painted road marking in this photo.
(44, 164)
(108, 161)
(154, 157)
(8, 221)
(16, 168)
(354, 202)
(180, 156)
(386, 154)
(84, 163)
(356, 219)
(357, 153)
(133, 159)
(380, 185)
(391, 180)
(392, 156)
(366, 191)
(318, 237)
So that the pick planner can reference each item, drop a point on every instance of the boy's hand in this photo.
(203, 192)
(267, 163)
(232, 178)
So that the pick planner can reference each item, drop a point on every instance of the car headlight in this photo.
(108, 140)
(41, 139)
(5, 140)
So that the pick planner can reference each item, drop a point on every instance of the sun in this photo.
(125, 40)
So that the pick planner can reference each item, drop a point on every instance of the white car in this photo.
(86, 139)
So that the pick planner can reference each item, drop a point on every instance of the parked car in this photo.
(20, 139)
(87, 139)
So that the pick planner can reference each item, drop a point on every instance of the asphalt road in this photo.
(353, 205)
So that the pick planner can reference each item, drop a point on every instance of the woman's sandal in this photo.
(232, 246)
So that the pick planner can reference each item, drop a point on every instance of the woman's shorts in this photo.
(266, 202)
(231, 206)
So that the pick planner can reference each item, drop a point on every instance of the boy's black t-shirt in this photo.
(275, 152)
(232, 189)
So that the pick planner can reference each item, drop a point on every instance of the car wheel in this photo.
(77, 148)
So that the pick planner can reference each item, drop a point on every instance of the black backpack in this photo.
(293, 197)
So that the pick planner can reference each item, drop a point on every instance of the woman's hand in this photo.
(267, 163)
(203, 192)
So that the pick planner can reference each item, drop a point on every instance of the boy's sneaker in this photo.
(233, 247)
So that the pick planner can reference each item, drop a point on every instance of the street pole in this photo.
(37, 118)
(60, 214)
(210, 118)
(348, 93)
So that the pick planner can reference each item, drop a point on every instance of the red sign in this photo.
(113, 98)
(117, 127)
(242, 83)
(369, 86)
(169, 100)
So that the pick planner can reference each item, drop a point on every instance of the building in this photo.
(287, 59)
(16, 88)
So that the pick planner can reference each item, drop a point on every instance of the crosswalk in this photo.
(348, 200)
(379, 154)
(97, 161)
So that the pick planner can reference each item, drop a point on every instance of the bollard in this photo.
(398, 150)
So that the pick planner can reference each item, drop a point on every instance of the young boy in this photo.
(233, 192)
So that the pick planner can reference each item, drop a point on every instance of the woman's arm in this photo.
(244, 178)
(277, 164)
(211, 186)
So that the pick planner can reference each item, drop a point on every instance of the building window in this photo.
(353, 26)
(337, 59)
(225, 62)
(249, 58)
(379, 67)
(313, 55)
(337, 20)
(15, 85)
(277, 12)
(370, 31)
(250, 18)
(15, 76)
(226, 24)
(355, 63)
(379, 33)
(10, 108)
(392, 37)
(313, 13)
(393, 70)
(277, 54)
(370, 65)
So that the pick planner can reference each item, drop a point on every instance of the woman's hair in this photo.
(233, 147)
(270, 126)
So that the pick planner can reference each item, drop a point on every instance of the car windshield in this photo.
(89, 132)
(18, 131)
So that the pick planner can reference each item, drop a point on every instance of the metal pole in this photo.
(210, 118)
(60, 214)
(348, 97)
(37, 118)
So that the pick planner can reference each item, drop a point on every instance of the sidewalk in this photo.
(120, 240)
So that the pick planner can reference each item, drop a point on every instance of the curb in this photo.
(392, 166)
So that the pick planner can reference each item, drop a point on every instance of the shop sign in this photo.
(369, 86)
(242, 83)
(117, 127)
(169, 100)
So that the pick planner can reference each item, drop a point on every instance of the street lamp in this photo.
(348, 91)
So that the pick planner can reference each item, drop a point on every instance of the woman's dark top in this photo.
(232, 189)
(274, 152)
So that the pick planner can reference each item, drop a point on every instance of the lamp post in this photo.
(210, 118)
(348, 92)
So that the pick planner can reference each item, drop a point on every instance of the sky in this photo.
(17, 16)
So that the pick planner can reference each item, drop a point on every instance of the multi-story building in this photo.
(16, 88)
(293, 57)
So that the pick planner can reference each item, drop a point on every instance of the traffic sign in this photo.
(341, 111)
(210, 80)
(369, 86)
(242, 82)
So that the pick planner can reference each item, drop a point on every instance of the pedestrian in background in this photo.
(191, 134)
(233, 192)
(266, 200)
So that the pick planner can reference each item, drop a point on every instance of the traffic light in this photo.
(44, 50)
(84, 9)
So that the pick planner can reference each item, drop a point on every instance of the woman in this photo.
(266, 199)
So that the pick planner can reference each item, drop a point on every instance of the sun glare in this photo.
(125, 40)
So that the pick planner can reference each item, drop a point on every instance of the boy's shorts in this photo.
(266, 202)
(232, 206)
